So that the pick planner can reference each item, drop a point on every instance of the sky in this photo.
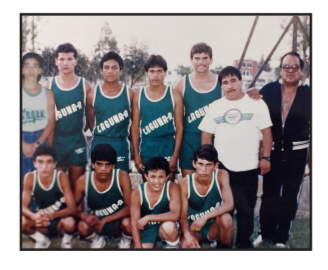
(172, 36)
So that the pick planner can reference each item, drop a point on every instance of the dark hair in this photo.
(229, 70)
(155, 60)
(295, 54)
(66, 48)
(45, 150)
(201, 48)
(112, 56)
(207, 152)
(35, 56)
(157, 163)
(104, 152)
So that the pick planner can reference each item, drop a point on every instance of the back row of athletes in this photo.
(165, 120)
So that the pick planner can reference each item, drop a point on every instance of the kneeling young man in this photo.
(54, 200)
(155, 207)
(106, 192)
(206, 200)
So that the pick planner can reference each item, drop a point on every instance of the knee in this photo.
(169, 227)
(27, 226)
(225, 221)
(83, 228)
(68, 224)
(126, 223)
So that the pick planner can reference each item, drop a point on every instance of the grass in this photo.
(299, 239)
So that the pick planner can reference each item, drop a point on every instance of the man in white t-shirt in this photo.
(237, 122)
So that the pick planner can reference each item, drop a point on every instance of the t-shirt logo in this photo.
(233, 117)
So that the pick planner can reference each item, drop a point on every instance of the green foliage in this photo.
(267, 67)
(135, 57)
(181, 70)
(49, 68)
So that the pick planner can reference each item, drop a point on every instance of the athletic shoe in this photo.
(280, 245)
(66, 245)
(124, 243)
(45, 243)
(98, 242)
(213, 244)
(165, 245)
(258, 240)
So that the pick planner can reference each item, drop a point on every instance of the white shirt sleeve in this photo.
(208, 124)
(264, 120)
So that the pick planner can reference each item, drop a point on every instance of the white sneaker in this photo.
(258, 240)
(98, 242)
(43, 244)
(280, 245)
(124, 243)
(213, 244)
(66, 245)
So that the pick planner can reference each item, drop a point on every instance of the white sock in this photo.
(67, 238)
(173, 244)
(127, 238)
(37, 236)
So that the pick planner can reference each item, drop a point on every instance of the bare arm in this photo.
(267, 146)
(52, 134)
(135, 131)
(253, 93)
(26, 196)
(206, 138)
(90, 111)
(135, 216)
(88, 91)
(191, 241)
(179, 86)
(172, 215)
(226, 207)
(131, 95)
(178, 119)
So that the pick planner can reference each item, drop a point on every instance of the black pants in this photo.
(244, 189)
(280, 191)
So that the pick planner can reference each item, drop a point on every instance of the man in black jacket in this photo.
(289, 103)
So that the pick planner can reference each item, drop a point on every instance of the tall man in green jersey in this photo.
(70, 93)
(109, 110)
(106, 192)
(206, 200)
(155, 207)
(54, 199)
(198, 89)
(157, 118)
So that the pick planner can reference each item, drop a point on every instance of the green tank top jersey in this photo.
(70, 107)
(156, 116)
(199, 205)
(160, 207)
(49, 199)
(105, 203)
(112, 114)
(196, 104)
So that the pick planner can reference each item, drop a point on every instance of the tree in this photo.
(267, 68)
(216, 70)
(107, 41)
(30, 33)
(25, 32)
(49, 68)
(181, 70)
(135, 57)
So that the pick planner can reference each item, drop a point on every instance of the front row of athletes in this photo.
(105, 206)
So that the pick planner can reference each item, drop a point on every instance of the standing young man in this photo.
(106, 192)
(206, 200)
(198, 90)
(157, 118)
(70, 93)
(109, 111)
(155, 207)
(54, 199)
(237, 121)
(38, 112)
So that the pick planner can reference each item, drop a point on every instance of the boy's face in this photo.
(201, 62)
(45, 165)
(204, 168)
(156, 179)
(66, 62)
(31, 69)
(102, 169)
(111, 71)
(156, 76)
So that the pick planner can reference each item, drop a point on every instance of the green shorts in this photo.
(108, 229)
(71, 149)
(190, 143)
(122, 148)
(151, 147)
(52, 228)
(150, 234)
(204, 231)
